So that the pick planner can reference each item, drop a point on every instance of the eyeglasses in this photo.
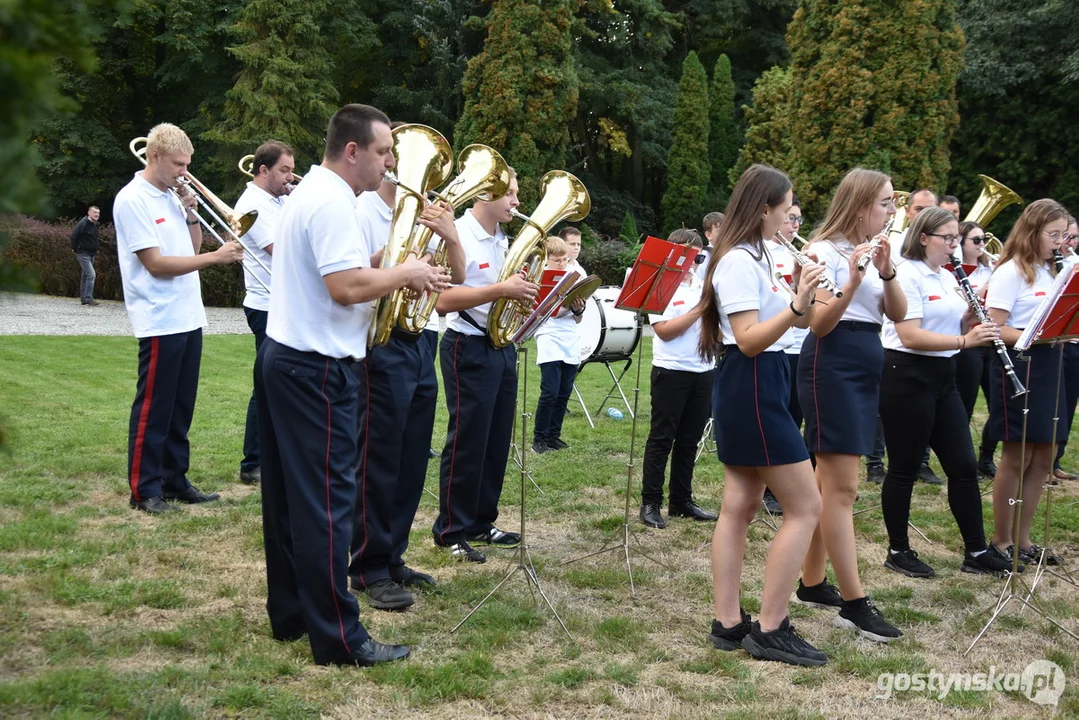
(795, 220)
(1063, 237)
(948, 239)
(979, 240)
(889, 203)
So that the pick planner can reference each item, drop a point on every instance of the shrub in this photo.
(604, 258)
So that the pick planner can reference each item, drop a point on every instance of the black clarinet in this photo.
(1058, 261)
(975, 303)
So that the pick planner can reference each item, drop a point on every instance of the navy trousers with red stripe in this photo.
(398, 391)
(158, 451)
(481, 394)
(307, 427)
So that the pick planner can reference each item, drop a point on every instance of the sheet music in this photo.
(1036, 326)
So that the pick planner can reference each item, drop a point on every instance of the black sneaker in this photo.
(907, 563)
(388, 595)
(730, 638)
(154, 506)
(783, 644)
(862, 615)
(557, 444)
(770, 504)
(875, 474)
(990, 562)
(539, 446)
(466, 553)
(252, 476)
(1009, 552)
(987, 467)
(926, 475)
(494, 536)
(1032, 556)
(823, 595)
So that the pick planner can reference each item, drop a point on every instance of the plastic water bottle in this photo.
(614, 413)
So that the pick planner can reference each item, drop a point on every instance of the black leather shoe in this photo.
(372, 652)
(651, 516)
(926, 475)
(154, 506)
(252, 476)
(770, 504)
(191, 496)
(691, 510)
(388, 595)
(408, 577)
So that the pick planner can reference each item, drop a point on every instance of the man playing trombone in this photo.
(158, 242)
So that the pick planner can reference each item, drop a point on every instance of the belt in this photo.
(859, 325)
(405, 336)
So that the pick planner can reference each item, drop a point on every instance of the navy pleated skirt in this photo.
(839, 388)
(753, 423)
(1041, 400)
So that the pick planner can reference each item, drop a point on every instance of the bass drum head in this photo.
(608, 334)
(590, 329)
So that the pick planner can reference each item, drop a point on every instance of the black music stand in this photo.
(657, 272)
(1056, 320)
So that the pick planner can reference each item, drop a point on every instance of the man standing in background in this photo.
(84, 243)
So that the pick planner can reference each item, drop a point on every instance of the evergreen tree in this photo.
(873, 85)
(768, 138)
(687, 163)
(723, 136)
(521, 90)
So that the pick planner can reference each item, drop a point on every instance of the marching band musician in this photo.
(919, 402)
(745, 311)
(839, 380)
(1016, 290)
(158, 243)
(972, 364)
(398, 391)
(271, 171)
(1071, 364)
(480, 383)
(572, 237)
(320, 312)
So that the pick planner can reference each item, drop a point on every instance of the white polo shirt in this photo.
(484, 257)
(557, 340)
(933, 298)
(744, 283)
(257, 239)
(146, 217)
(318, 234)
(1009, 290)
(980, 277)
(681, 353)
(867, 305)
(574, 265)
(784, 263)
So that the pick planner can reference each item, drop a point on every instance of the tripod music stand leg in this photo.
(703, 445)
(587, 415)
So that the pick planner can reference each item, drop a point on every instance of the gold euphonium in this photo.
(564, 198)
(993, 198)
(424, 160)
(899, 225)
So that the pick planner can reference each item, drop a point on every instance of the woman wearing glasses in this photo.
(972, 364)
(919, 402)
(1016, 290)
(1071, 363)
(839, 380)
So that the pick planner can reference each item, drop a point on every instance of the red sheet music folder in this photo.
(548, 282)
(1058, 316)
(657, 272)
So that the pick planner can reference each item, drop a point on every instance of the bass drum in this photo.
(607, 333)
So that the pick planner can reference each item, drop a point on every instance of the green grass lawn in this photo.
(105, 612)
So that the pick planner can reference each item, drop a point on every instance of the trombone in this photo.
(234, 224)
(246, 168)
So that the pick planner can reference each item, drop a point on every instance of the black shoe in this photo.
(1033, 554)
(907, 563)
(691, 510)
(651, 517)
(1009, 552)
(824, 595)
(292, 636)
(987, 467)
(862, 615)
(408, 577)
(252, 476)
(990, 562)
(191, 496)
(875, 474)
(783, 644)
(770, 504)
(926, 475)
(372, 652)
(539, 446)
(464, 552)
(154, 506)
(730, 638)
(388, 595)
(557, 444)
(498, 538)
(91, 303)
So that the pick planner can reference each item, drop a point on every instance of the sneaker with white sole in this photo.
(862, 615)
(907, 563)
(783, 644)
(824, 595)
(498, 538)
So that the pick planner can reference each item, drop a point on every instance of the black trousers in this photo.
(158, 452)
(971, 374)
(256, 320)
(397, 392)
(1071, 393)
(307, 424)
(680, 408)
(920, 406)
(481, 394)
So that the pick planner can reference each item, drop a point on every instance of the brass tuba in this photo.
(900, 221)
(993, 198)
(245, 167)
(564, 198)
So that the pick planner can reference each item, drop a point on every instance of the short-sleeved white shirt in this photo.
(743, 283)
(867, 305)
(1009, 290)
(557, 340)
(146, 217)
(681, 353)
(980, 277)
(932, 297)
(484, 257)
(257, 239)
(318, 234)
(574, 265)
(784, 263)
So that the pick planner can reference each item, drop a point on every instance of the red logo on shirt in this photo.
(484, 266)
(1040, 293)
(679, 302)
(159, 221)
(934, 297)
(775, 289)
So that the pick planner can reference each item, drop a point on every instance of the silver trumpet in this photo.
(803, 260)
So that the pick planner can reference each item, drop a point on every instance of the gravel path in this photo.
(22, 314)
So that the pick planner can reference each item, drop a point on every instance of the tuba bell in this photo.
(899, 224)
(993, 198)
(564, 198)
